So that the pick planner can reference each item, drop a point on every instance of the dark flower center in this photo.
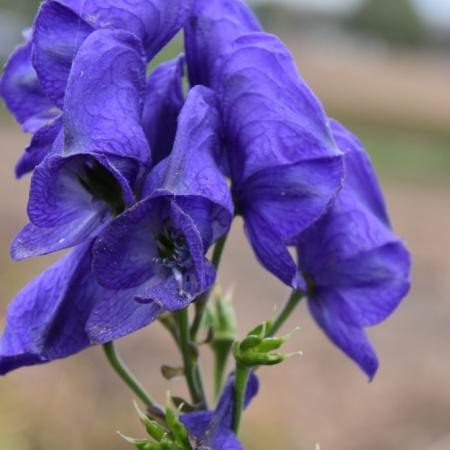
(102, 185)
(172, 248)
(173, 254)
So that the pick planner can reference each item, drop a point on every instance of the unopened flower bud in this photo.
(221, 318)
(141, 444)
(179, 432)
(154, 429)
(256, 349)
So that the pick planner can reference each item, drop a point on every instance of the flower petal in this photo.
(104, 98)
(214, 24)
(166, 294)
(373, 283)
(41, 145)
(290, 198)
(213, 429)
(59, 196)
(155, 22)
(361, 176)
(57, 36)
(337, 319)
(163, 102)
(22, 92)
(357, 222)
(270, 249)
(280, 203)
(116, 314)
(193, 168)
(358, 269)
(36, 241)
(46, 319)
(271, 116)
(56, 195)
(124, 253)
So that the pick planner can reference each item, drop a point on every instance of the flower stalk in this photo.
(200, 304)
(285, 313)
(191, 370)
(124, 373)
(242, 375)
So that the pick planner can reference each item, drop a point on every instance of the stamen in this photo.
(174, 255)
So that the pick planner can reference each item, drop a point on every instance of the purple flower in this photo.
(95, 165)
(356, 269)
(24, 97)
(90, 176)
(284, 165)
(159, 244)
(213, 429)
(37, 74)
(62, 26)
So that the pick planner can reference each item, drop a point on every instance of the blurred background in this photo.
(382, 67)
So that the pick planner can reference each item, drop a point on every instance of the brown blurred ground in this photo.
(77, 404)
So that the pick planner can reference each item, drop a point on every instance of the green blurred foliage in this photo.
(406, 155)
(26, 8)
(274, 16)
(395, 21)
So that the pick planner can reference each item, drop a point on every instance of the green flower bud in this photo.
(269, 344)
(260, 330)
(221, 317)
(250, 342)
(168, 444)
(154, 429)
(177, 429)
(255, 350)
(141, 444)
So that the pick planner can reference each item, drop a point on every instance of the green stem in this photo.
(222, 350)
(200, 304)
(218, 251)
(285, 313)
(192, 373)
(240, 387)
(124, 373)
(170, 325)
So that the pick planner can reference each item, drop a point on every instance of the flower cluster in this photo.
(141, 176)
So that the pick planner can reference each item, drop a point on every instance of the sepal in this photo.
(258, 348)
(221, 317)
(172, 435)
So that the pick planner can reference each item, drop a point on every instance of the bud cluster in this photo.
(172, 435)
(258, 348)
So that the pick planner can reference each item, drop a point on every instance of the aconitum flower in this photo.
(159, 245)
(62, 26)
(356, 269)
(35, 79)
(284, 165)
(90, 177)
(213, 429)
(87, 180)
